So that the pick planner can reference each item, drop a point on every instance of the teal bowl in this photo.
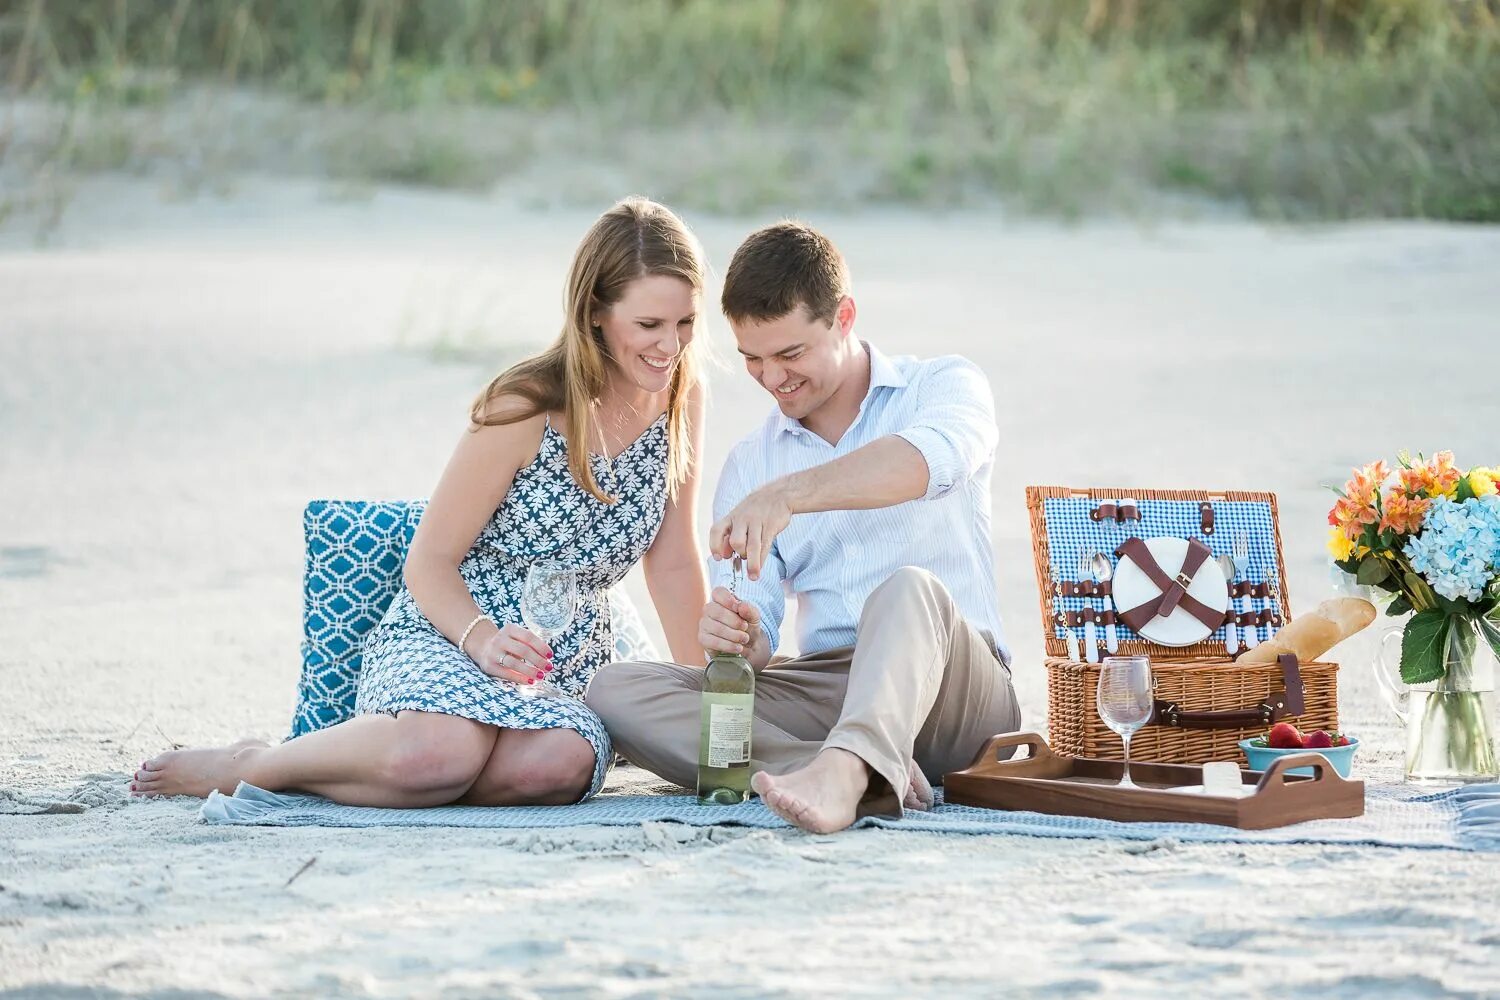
(1342, 758)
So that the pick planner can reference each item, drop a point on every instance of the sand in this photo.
(177, 378)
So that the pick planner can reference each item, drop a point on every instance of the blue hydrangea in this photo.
(1458, 550)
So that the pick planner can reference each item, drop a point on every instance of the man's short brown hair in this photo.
(781, 267)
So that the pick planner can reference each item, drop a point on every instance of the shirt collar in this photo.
(883, 373)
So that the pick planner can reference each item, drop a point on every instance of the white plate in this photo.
(1132, 588)
(1242, 792)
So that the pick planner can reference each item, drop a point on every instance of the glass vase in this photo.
(1450, 722)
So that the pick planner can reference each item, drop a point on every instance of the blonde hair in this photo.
(635, 239)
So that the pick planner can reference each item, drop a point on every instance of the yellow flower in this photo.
(1483, 481)
(1339, 545)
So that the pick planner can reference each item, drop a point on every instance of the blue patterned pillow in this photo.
(355, 551)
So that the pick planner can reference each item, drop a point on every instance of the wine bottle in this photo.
(724, 725)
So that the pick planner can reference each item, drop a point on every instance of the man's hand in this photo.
(728, 624)
(751, 527)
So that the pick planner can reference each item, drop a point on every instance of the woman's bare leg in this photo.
(534, 767)
(409, 760)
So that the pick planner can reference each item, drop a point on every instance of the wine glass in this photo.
(1125, 700)
(548, 604)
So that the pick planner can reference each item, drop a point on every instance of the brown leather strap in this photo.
(1077, 618)
(1245, 619)
(1173, 590)
(1287, 701)
(1206, 517)
(1118, 511)
(1291, 676)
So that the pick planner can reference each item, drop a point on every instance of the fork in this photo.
(1090, 633)
(1249, 638)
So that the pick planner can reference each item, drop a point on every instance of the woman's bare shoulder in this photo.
(508, 425)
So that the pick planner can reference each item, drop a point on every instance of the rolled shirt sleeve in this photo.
(954, 429)
(735, 483)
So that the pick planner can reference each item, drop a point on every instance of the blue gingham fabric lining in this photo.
(1070, 528)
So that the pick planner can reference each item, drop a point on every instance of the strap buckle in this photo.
(1184, 581)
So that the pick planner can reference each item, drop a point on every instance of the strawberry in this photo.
(1319, 740)
(1340, 740)
(1284, 736)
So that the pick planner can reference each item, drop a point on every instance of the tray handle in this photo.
(1275, 775)
(990, 751)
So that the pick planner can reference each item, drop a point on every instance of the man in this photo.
(867, 496)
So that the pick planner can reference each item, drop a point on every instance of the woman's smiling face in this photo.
(646, 331)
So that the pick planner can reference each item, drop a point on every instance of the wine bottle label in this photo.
(729, 718)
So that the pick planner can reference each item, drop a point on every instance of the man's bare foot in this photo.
(195, 772)
(819, 798)
(919, 792)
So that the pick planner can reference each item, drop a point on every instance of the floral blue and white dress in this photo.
(410, 665)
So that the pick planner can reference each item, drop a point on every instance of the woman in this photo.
(586, 455)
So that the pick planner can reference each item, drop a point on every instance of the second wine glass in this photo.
(548, 604)
(1126, 699)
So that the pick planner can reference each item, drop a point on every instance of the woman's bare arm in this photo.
(674, 567)
(473, 485)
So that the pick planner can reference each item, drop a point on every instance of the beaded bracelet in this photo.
(465, 637)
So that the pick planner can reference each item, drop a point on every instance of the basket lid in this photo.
(1068, 523)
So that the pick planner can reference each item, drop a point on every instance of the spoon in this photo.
(1231, 639)
(1103, 571)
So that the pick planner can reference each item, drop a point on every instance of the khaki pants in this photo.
(919, 683)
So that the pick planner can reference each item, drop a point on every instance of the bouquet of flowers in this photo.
(1430, 536)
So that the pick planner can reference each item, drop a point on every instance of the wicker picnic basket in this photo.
(1205, 701)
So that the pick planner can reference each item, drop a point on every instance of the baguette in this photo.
(1310, 636)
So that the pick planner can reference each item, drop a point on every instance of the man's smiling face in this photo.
(799, 360)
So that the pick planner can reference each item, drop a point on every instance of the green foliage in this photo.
(1373, 570)
(1423, 647)
(1329, 108)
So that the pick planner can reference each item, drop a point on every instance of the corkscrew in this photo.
(1062, 617)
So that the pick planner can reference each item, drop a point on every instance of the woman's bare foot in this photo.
(919, 792)
(819, 798)
(195, 772)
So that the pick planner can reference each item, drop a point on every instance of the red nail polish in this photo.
(532, 681)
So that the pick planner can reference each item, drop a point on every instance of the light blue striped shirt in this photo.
(831, 561)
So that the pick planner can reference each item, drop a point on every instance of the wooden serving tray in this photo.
(1047, 782)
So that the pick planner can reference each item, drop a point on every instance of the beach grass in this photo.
(1293, 108)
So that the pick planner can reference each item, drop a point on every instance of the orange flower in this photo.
(1367, 482)
(1417, 481)
(1351, 516)
(1445, 475)
(1403, 514)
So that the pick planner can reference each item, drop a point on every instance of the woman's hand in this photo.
(515, 653)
